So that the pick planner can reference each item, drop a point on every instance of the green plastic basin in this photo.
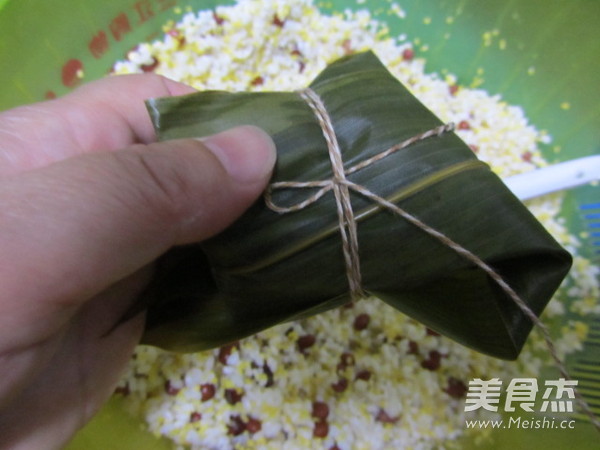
(541, 54)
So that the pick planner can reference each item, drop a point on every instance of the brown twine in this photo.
(341, 188)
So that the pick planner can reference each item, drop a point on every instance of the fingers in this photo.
(107, 114)
(75, 227)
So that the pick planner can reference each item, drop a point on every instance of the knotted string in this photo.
(341, 188)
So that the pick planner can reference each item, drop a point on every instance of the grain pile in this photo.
(363, 376)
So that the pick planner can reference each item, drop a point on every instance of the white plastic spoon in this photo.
(565, 175)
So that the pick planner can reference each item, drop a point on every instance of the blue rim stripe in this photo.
(590, 206)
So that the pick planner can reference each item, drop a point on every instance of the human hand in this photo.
(87, 203)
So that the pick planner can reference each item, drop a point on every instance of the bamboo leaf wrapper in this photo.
(270, 267)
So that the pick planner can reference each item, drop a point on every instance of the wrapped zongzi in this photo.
(372, 196)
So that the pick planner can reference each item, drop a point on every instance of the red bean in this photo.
(306, 341)
(413, 348)
(232, 396)
(218, 19)
(207, 391)
(456, 388)
(269, 373)
(151, 66)
(361, 321)
(237, 426)
(364, 375)
(408, 54)
(341, 385)
(433, 361)
(227, 350)
(347, 359)
(320, 410)
(278, 22)
(384, 417)
(321, 429)
(253, 425)
(170, 389)
(195, 417)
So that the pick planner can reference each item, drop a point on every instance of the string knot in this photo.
(341, 187)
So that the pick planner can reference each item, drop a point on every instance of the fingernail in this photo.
(247, 153)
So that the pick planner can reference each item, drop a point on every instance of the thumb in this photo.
(77, 226)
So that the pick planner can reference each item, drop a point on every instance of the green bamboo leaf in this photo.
(269, 268)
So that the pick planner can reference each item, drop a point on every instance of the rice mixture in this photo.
(363, 376)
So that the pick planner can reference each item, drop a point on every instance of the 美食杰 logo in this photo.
(522, 395)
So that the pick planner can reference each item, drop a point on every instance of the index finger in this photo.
(104, 115)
